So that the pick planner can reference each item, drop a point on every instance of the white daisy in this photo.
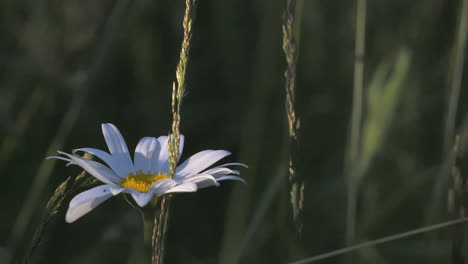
(147, 175)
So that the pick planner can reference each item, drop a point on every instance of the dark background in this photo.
(68, 66)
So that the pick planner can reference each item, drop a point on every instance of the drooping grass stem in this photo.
(379, 241)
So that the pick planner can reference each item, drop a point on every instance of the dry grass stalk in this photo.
(290, 48)
(178, 88)
(457, 199)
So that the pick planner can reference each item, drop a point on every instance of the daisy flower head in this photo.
(147, 175)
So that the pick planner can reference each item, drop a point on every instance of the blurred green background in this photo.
(68, 66)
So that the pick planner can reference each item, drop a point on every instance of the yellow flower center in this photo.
(142, 182)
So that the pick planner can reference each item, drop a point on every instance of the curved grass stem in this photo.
(379, 241)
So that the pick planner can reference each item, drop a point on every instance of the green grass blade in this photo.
(379, 241)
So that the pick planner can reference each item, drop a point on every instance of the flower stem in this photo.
(148, 223)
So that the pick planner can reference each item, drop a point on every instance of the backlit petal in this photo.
(181, 146)
(87, 201)
(160, 187)
(199, 162)
(146, 153)
(230, 177)
(184, 187)
(201, 177)
(161, 165)
(96, 169)
(142, 199)
(113, 163)
(117, 146)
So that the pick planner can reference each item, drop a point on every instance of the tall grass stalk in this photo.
(383, 97)
(291, 31)
(457, 75)
(352, 155)
(379, 241)
(457, 199)
(71, 115)
(455, 82)
(456, 204)
(178, 88)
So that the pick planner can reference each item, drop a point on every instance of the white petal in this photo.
(184, 187)
(162, 164)
(199, 162)
(115, 165)
(230, 177)
(160, 187)
(114, 139)
(146, 153)
(61, 158)
(221, 171)
(87, 201)
(231, 164)
(96, 169)
(117, 147)
(201, 177)
(181, 146)
(142, 199)
(206, 183)
(94, 193)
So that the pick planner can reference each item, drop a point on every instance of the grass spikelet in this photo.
(291, 30)
(62, 193)
(178, 88)
(456, 195)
